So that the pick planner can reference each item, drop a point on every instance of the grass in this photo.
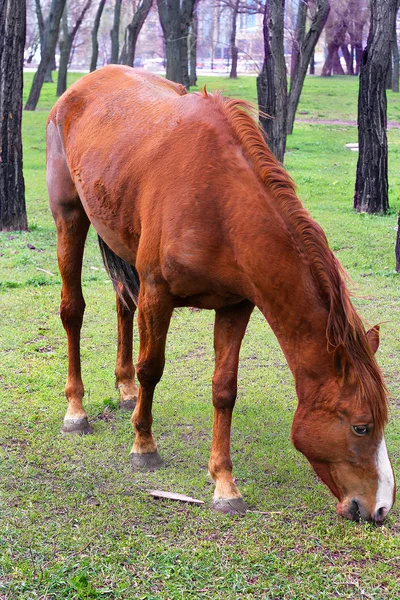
(77, 524)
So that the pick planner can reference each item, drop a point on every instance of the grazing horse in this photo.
(192, 209)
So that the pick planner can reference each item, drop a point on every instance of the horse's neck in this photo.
(287, 294)
(300, 327)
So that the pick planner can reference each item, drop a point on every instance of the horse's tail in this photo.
(124, 276)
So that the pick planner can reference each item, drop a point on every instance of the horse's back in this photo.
(101, 111)
(104, 86)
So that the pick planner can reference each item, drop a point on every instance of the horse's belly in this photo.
(200, 283)
(207, 301)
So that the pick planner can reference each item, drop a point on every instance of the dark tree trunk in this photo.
(307, 48)
(233, 48)
(299, 36)
(359, 54)
(12, 43)
(170, 18)
(337, 68)
(134, 29)
(371, 191)
(389, 74)
(356, 37)
(193, 50)
(123, 57)
(49, 46)
(40, 20)
(95, 31)
(395, 67)
(328, 64)
(175, 22)
(395, 56)
(114, 33)
(397, 250)
(65, 49)
(272, 80)
(187, 8)
(48, 78)
(348, 57)
(66, 43)
(312, 63)
(52, 66)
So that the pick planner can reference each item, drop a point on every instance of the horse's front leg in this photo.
(154, 314)
(230, 327)
(124, 370)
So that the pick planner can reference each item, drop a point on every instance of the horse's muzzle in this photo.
(355, 511)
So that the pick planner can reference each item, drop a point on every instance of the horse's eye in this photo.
(360, 429)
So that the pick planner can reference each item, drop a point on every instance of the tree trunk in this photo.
(356, 35)
(299, 35)
(170, 18)
(359, 54)
(272, 80)
(395, 56)
(173, 59)
(193, 50)
(348, 57)
(48, 78)
(65, 49)
(52, 66)
(395, 68)
(312, 63)
(134, 29)
(328, 64)
(389, 74)
(12, 43)
(307, 48)
(95, 31)
(233, 48)
(123, 57)
(40, 20)
(337, 68)
(114, 33)
(66, 43)
(371, 190)
(49, 46)
(397, 250)
(187, 8)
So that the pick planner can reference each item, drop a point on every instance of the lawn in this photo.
(76, 523)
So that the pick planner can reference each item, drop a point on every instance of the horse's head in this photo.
(342, 437)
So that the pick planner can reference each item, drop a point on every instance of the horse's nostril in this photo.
(380, 514)
(355, 510)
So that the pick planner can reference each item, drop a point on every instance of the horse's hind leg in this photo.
(72, 227)
(124, 370)
(154, 314)
(230, 327)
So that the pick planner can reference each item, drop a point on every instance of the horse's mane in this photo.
(344, 327)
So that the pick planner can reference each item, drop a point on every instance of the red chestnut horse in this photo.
(192, 209)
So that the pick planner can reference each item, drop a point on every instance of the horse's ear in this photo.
(373, 338)
(341, 362)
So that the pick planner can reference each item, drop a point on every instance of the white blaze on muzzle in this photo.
(384, 495)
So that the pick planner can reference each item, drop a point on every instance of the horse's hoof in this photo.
(76, 426)
(128, 404)
(230, 506)
(151, 461)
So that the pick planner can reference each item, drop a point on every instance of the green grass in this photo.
(77, 524)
